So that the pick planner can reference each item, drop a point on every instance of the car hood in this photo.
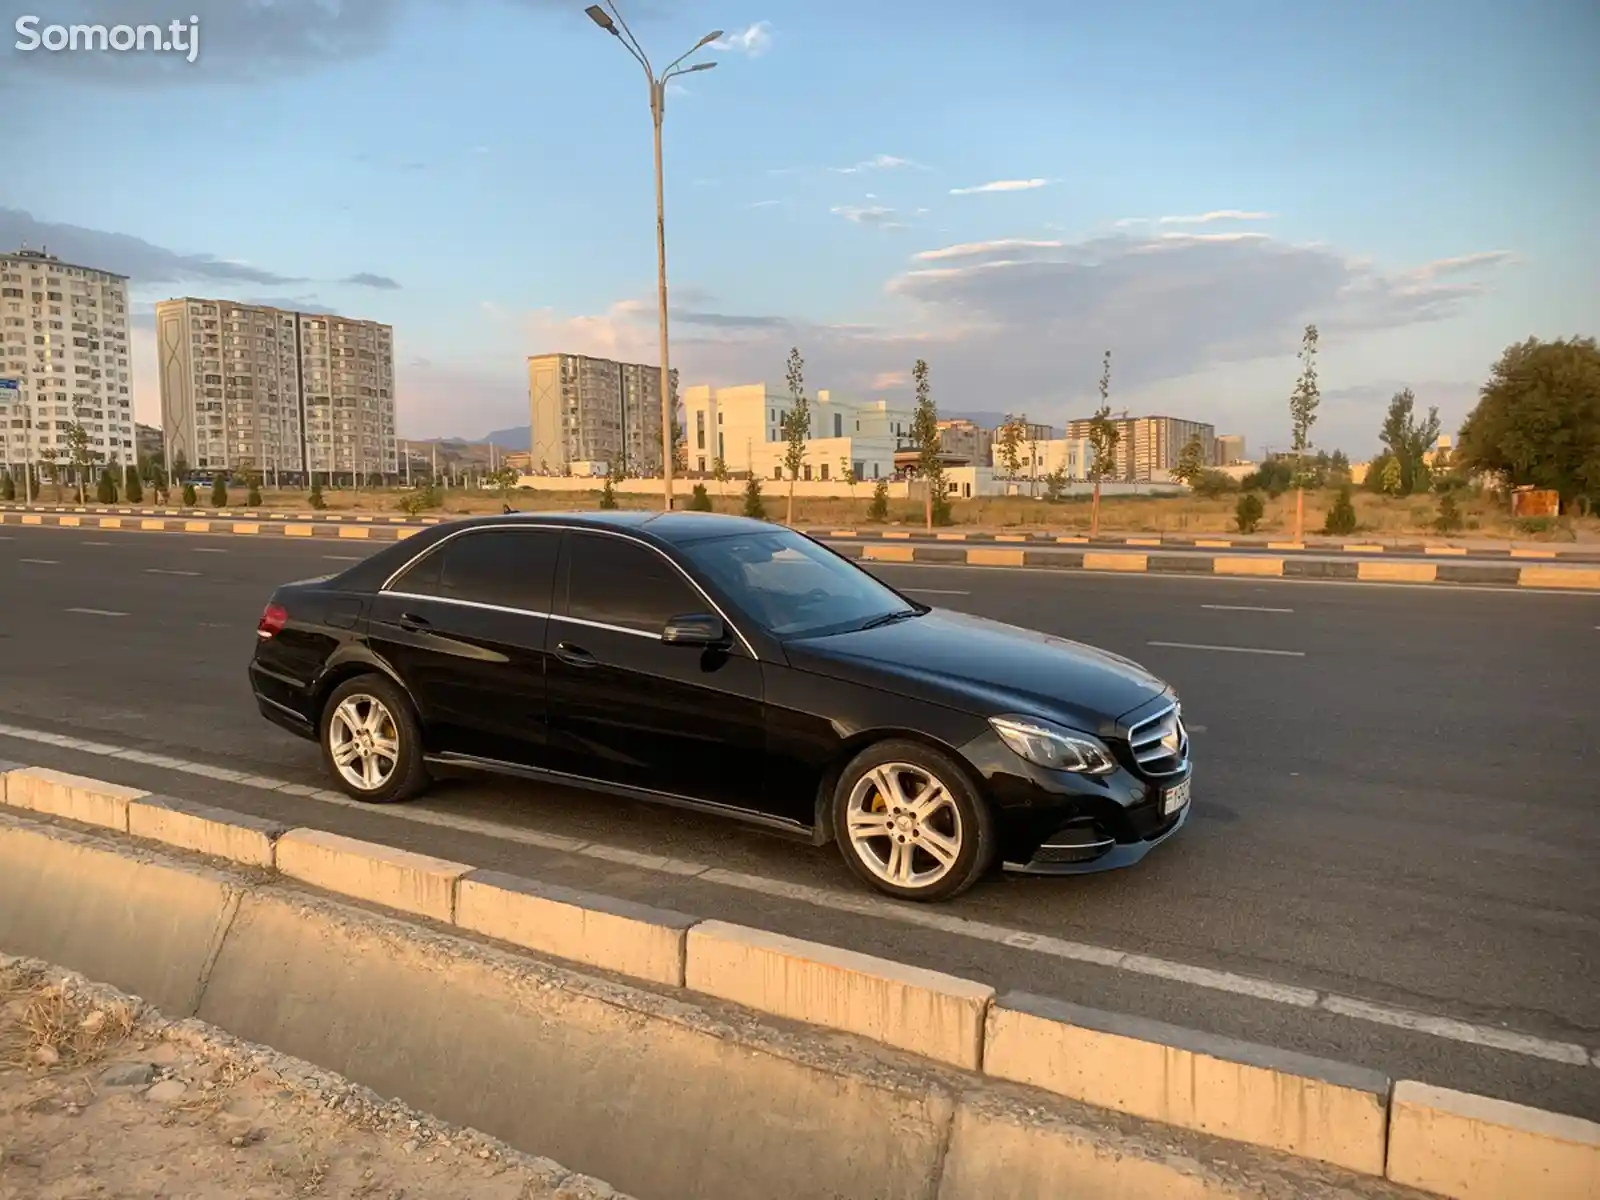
(986, 667)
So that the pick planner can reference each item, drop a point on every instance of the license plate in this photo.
(1174, 798)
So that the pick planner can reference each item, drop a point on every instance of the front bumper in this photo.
(1116, 856)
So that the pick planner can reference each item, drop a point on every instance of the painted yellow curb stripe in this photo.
(1360, 548)
(402, 534)
(1246, 564)
(1444, 550)
(1116, 562)
(1560, 577)
(982, 556)
(197, 526)
(32, 519)
(1141, 541)
(950, 537)
(152, 524)
(70, 521)
(843, 533)
(901, 554)
(299, 531)
(899, 534)
(246, 527)
(1533, 554)
(1396, 572)
(354, 531)
(110, 522)
(1286, 545)
(1011, 537)
(1212, 544)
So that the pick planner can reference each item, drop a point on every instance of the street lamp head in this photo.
(714, 36)
(603, 19)
(705, 66)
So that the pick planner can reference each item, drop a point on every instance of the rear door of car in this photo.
(464, 626)
(626, 707)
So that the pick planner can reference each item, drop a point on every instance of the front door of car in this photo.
(464, 627)
(628, 708)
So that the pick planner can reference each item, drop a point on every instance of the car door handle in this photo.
(575, 656)
(414, 624)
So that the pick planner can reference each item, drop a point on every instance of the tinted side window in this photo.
(617, 582)
(514, 568)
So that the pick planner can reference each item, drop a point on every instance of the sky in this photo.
(1005, 190)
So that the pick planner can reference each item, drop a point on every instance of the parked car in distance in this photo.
(732, 666)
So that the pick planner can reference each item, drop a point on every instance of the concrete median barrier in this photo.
(1274, 1098)
(926, 1012)
(598, 931)
(215, 832)
(398, 879)
(58, 794)
(1473, 1148)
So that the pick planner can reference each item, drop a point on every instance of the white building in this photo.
(63, 361)
(248, 388)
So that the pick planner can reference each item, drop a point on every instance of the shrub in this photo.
(754, 507)
(1055, 486)
(8, 487)
(133, 487)
(699, 499)
(941, 508)
(1341, 517)
(105, 491)
(315, 499)
(878, 510)
(219, 492)
(1210, 484)
(1248, 512)
(420, 500)
(253, 496)
(608, 495)
(1449, 518)
(189, 498)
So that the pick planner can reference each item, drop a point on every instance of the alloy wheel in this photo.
(364, 741)
(904, 825)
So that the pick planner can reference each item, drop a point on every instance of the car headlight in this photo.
(1046, 744)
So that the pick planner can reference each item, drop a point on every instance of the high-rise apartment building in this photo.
(1148, 448)
(249, 388)
(1230, 449)
(585, 409)
(63, 361)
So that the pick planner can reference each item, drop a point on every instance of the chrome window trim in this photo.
(386, 587)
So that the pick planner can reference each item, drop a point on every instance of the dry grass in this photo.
(1377, 516)
(46, 1025)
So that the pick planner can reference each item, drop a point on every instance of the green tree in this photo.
(1409, 439)
(420, 500)
(1393, 477)
(847, 472)
(754, 507)
(316, 499)
(680, 444)
(8, 487)
(1103, 439)
(925, 434)
(105, 491)
(796, 424)
(1303, 403)
(878, 510)
(1274, 477)
(1449, 518)
(132, 486)
(719, 472)
(1212, 483)
(1375, 471)
(699, 499)
(1191, 461)
(1008, 445)
(1341, 518)
(219, 491)
(253, 496)
(1055, 486)
(504, 479)
(190, 499)
(1537, 421)
(608, 492)
(81, 456)
(1247, 513)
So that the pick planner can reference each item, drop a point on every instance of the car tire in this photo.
(960, 828)
(354, 701)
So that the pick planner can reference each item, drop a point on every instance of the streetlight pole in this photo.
(611, 21)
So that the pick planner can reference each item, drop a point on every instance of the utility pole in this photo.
(609, 19)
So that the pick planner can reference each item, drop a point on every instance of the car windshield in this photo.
(793, 586)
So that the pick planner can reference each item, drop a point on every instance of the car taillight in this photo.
(273, 619)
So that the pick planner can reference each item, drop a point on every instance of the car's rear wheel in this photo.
(909, 822)
(371, 742)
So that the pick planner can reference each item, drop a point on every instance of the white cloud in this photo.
(753, 40)
(766, 203)
(875, 215)
(1001, 185)
(879, 162)
(1221, 214)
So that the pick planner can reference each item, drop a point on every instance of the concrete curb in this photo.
(1256, 1095)
(1254, 566)
(1315, 545)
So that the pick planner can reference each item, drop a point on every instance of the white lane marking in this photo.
(164, 571)
(936, 591)
(209, 550)
(97, 612)
(97, 543)
(1244, 608)
(1228, 649)
(41, 562)
(342, 557)
(1444, 1028)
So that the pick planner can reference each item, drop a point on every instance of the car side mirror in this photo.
(695, 629)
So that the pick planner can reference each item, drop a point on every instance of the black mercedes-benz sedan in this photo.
(732, 666)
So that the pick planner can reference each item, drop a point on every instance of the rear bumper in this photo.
(275, 699)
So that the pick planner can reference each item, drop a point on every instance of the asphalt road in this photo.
(1396, 796)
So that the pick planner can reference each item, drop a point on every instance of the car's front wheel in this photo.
(371, 742)
(909, 822)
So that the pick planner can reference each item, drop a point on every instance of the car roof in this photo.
(671, 527)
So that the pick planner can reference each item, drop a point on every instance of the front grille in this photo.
(1160, 744)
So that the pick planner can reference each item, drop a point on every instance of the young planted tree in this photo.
(190, 499)
(878, 510)
(719, 472)
(754, 507)
(699, 499)
(219, 491)
(925, 434)
(847, 472)
(8, 487)
(1055, 485)
(1393, 477)
(132, 485)
(1408, 440)
(1103, 438)
(608, 493)
(81, 457)
(105, 491)
(1008, 445)
(1303, 402)
(1247, 513)
(796, 424)
(1449, 518)
(253, 496)
(1341, 518)
(1191, 462)
(316, 500)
